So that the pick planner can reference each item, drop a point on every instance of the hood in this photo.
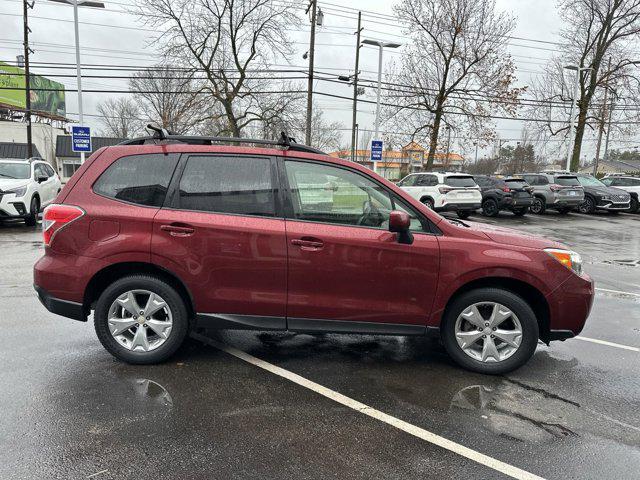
(509, 236)
(604, 190)
(9, 183)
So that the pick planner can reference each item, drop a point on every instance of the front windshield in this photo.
(15, 170)
(590, 182)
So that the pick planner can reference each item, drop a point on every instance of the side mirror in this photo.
(399, 222)
(42, 178)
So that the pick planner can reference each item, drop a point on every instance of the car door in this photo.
(344, 264)
(220, 233)
(43, 186)
(52, 183)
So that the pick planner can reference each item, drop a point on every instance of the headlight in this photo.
(569, 259)
(606, 198)
(19, 191)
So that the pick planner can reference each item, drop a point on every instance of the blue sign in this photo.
(376, 150)
(81, 139)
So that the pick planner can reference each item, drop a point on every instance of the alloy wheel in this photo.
(488, 332)
(536, 206)
(140, 320)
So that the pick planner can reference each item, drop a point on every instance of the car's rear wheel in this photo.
(490, 331)
(464, 214)
(34, 209)
(538, 206)
(519, 212)
(588, 206)
(428, 202)
(490, 208)
(141, 319)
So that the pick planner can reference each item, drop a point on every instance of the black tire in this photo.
(463, 214)
(563, 211)
(34, 209)
(519, 212)
(538, 206)
(175, 303)
(588, 206)
(490, 208)
(516, 304)
(634, 206)
(428, 202)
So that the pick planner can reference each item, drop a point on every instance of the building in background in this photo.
(614, 166)
(69, 160)
(43, 136)
(411, 158)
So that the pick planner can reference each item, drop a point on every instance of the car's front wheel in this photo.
(588, 206)
(634, 206)
(490, 330)
(538, 206)
(141, 319)
(34, 209)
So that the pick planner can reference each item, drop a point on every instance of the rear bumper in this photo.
(61, 307)
(454, 207)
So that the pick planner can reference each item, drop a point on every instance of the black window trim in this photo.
(288, 205)
(172, 199)
(173, 174)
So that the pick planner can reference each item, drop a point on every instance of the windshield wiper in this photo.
(459, 222)
(7, 176)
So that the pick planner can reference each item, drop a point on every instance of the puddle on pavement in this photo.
(152, 391)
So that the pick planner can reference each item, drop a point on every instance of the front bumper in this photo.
(455, 207)
(13, 207)
(569, 307)
(609, 205)
(61, 307)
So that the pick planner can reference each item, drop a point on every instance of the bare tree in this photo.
(229, 41)
(119, 117)
(456, 70)
(325, 134)
(597, 32)
(168, 96)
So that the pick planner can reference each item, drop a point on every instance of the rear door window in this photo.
(222, 184)
(427, 180)
(409, 181)
(139, 179)
(460, 181)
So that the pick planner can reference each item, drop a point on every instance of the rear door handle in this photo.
(178, 230)
(308, 243)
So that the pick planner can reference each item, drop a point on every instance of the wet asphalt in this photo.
(69, 410)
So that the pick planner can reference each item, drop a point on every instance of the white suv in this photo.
(627, 183)
(448, 191)
(26, 186)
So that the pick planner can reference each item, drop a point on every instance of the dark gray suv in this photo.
(558, 191)
(598, 196)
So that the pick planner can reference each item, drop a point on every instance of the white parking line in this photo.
(618, 292)
(609, 344)
(418, 432)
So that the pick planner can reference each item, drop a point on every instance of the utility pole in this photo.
(313, 5)
(355, 91)
(27, 79)
(603, 112)
(475, 144)
(446, 159)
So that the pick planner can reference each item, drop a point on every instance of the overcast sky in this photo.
(120, 39)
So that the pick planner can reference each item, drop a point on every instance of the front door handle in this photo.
(308, 243)
(178, 230)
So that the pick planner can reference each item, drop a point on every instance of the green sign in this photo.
(47, 96)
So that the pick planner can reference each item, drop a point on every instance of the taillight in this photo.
(55, 217)
(506, 189)
(444, 190)
(555, 188)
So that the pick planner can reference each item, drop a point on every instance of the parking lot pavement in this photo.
(70, 411)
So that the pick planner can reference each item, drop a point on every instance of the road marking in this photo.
(619, 292)
(609, 344)
(418, 432)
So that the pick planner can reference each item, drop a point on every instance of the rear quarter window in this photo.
(139, 179)
(516, 183)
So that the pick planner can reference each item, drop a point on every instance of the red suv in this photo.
(164, 234)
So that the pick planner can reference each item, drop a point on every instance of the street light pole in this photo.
(574, 100)
(76, 4)
(381, 46)
(313, 5)
(355, 90)
(27, 77)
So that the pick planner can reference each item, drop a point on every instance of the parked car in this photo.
(499, 193)
(629, 184)
(598, 196)
(25, 187)
(164, 234)
(444, 192)
(553, 190)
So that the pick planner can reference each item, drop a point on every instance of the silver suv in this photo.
(558, 191)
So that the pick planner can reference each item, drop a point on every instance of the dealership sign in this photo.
(80, 139)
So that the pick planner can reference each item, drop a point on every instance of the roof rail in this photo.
(161, 134)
